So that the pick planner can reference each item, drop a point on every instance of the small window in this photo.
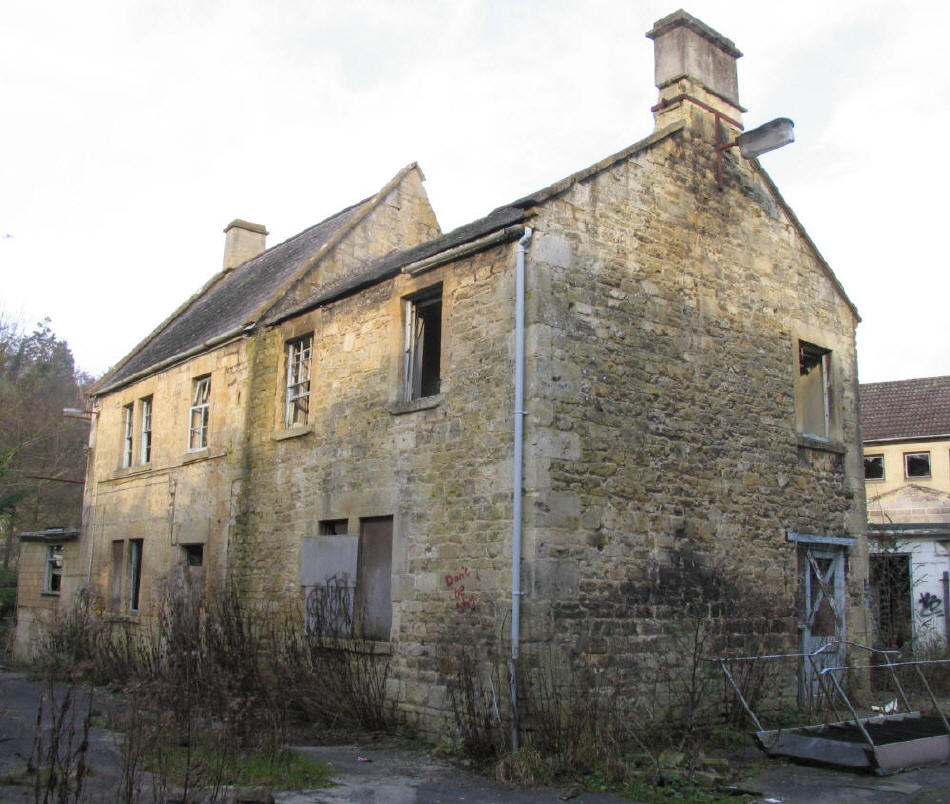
(54, 569)
(917, 464)
(194, 554)
(127, 412)
(814, 390)
(199, 414)
(298, 381)
(334, 527)
(135, 573)
(423, 344)
(146, 445)
(873, 467)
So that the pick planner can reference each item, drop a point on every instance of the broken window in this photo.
(199, 414)
(347, 578)
(194, 554)
(146, 446)
(298, 380)
(873, 467)
(916, 464)
(118, 554)
(423, 344)
(54, 569)
(127, 413)
(334, 527)
(135, 573)
(814, 390)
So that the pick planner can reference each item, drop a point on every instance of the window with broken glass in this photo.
(299, 353)
(423, 344)
(199, 415)
(54, 569)
(127, 413)
(146, 444)
(814, 390)
(916, 464)
(873, 467)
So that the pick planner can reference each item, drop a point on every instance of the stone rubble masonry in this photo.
(662, 460)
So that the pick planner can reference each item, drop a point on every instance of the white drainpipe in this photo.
(517, 483)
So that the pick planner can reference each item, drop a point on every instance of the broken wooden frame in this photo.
(884, 743)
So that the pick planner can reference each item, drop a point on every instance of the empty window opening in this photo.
(873, 467)
(298, 380)
(135, 573)
(423, 344)
(194, 554)
(54, 569)
(334, 527)
(917, 464)
(814, 389)
(199, 414)
(128, 412)
(118, 556)
(146, 447)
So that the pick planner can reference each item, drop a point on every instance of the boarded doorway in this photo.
(822, 577)
(374, 586)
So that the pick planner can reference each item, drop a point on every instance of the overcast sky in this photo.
(132, 132)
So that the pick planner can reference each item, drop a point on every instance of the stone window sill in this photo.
(821, 444)
(293, 432)
(197, 455)
(425, 403)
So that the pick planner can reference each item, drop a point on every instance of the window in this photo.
(814, 390)
(348, 579)
(194, 554)
(423, 344)
(298, 380)
(128, 411)
(118, 554)
(54, 569)
(146, 445)
(916, 464)
(198, 427)
(135, 573)
(873, 467)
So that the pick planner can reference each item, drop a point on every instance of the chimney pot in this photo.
(242, 242)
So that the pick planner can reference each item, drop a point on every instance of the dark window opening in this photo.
(917, 464)
(423, 344)
(54, 569)
(873, 467)
(135, 573)
(194, 554)
(334, 527)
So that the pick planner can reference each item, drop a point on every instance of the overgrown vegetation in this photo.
(214, 686)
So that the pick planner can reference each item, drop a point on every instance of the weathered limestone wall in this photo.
(441, 469)
(179, 497)
(663, 459)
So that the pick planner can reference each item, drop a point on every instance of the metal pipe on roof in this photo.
(517, 482)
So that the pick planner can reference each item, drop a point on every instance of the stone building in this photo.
(906, 431)
(625, 395)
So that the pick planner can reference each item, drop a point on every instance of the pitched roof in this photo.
(239, 297)
(906, 409)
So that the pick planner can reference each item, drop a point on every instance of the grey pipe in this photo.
(517, 483)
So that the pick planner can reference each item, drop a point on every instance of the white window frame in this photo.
(199, 413)
(299, 362)
(930, 469)
(883, 468)
(128, 435)
(145, 448)
(54, 570)
(415, 359)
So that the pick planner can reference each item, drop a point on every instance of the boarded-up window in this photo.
(347, 579)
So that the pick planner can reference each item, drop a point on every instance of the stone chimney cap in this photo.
(682, 19)
(237, 223)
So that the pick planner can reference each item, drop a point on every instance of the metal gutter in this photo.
(506, 235)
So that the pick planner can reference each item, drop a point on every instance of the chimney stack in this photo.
(695, 70)
(242, 242)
